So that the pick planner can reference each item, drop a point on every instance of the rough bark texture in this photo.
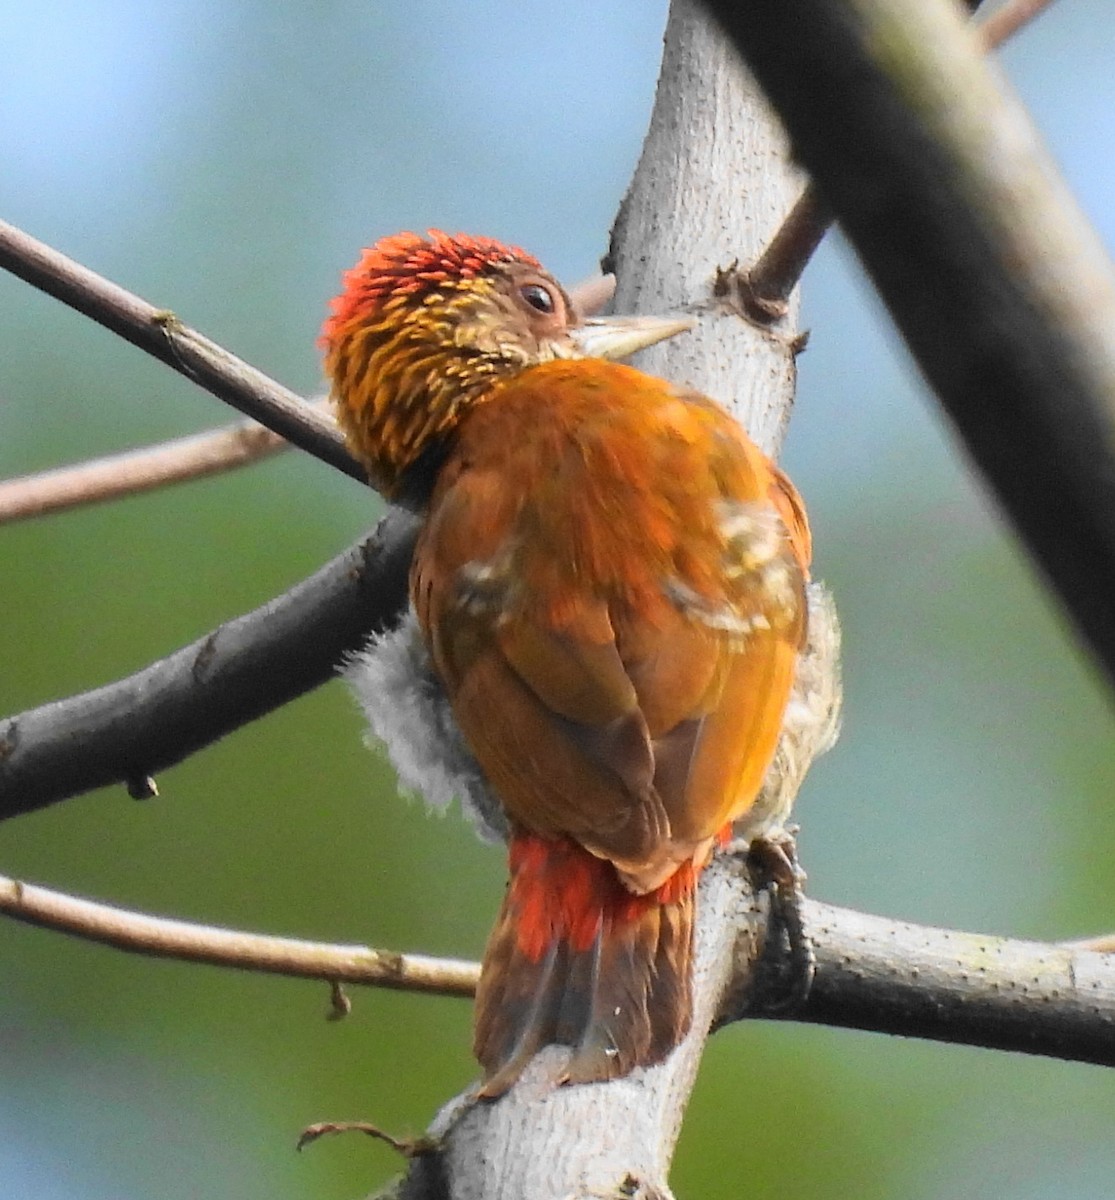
(894, 977)
(713, 184)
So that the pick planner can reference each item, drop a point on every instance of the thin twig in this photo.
(133, 471)
(161, 937)
(407, 1147)
(164, 336)
(593, 294)
(766, 288)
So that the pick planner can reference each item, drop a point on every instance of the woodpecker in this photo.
(609, 649)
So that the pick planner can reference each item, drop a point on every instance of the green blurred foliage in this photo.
(228, 160)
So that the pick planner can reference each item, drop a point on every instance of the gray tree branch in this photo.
(130, 730)
(161, 937)
(1003, 293)
(766, 286)
(872, 973)
(887, 976)
(134, 471)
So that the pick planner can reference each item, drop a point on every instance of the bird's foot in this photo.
(775, 865)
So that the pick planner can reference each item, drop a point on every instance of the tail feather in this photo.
(576, 960)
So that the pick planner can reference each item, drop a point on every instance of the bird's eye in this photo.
(538, 297)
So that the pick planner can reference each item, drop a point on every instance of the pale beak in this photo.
(617, 337)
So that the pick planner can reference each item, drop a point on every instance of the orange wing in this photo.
(611, 583)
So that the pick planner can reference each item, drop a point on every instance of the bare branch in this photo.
(132, 729)
(163, 335)
(767, 286)
(592, 294)
(1003, 293)
(872, 973)
(135, 471)
(161, 937)
(407, 1147)
(890, 976)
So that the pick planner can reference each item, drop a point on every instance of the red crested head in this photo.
(425, 328)
(407, 265)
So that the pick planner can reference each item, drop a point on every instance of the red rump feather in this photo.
(406, 264)
(560, 891)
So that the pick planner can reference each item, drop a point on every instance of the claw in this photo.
(777, 869)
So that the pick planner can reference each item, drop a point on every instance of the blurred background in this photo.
(227, 160)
